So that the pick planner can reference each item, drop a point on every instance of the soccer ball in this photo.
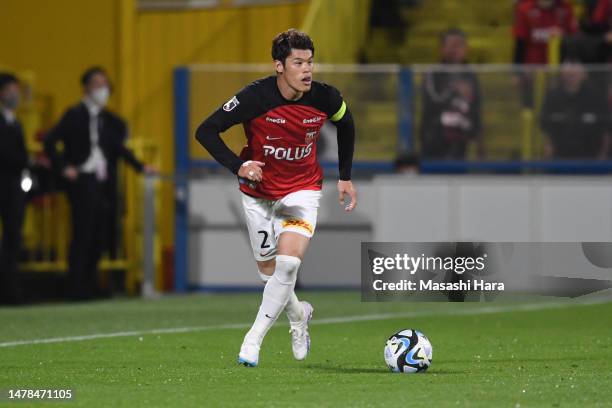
(408, 351)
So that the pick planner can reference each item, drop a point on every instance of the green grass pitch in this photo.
(489, 355)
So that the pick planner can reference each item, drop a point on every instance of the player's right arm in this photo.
(238, 109)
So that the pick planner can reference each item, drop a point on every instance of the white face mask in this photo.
(100, 96)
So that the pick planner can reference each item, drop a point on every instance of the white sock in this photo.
(275, 297)
(294, 309)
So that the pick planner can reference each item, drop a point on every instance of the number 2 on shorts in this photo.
(264, 242)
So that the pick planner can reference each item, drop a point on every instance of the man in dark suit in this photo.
(93, 141)
(13, 161)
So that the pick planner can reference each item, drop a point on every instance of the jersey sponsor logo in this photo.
(541, 35)
(310, 136)
(288, 153)
(272, 138)
(316, 119)
(275, 120)
(231, 104)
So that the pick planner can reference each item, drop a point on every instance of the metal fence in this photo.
(442, 112)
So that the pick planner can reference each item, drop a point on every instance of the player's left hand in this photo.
(346, 187)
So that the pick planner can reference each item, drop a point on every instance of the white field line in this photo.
(316, 322)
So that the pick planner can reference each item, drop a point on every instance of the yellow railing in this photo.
(554, 50)
(46, 229)
(530, 141)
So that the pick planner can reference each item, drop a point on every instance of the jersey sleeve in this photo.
(241, 108)
(601, 12)
(339, 114)
(520, 27)
(336, 107)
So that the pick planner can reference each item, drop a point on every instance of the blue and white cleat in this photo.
(300, 338)
(249, 355)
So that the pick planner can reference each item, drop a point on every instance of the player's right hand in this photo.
(251, 170)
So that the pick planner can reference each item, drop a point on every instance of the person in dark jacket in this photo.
(13, 161)
(93, 142)
(575, 116)
(451, 103)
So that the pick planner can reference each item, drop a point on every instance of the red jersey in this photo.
(533, 25)
(602, 13)
(281, 133)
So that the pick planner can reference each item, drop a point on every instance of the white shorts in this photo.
(267, 219)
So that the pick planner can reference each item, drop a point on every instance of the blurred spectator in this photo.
(451, 103)
(389, 17)
(93, 140)
(407, 163)
(535, 23)
(601, 16)
(594, 44)
(13, 161)
(574, 117)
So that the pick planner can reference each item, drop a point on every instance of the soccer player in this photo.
(280, 178)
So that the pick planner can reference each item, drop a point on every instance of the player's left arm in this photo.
(343, 120)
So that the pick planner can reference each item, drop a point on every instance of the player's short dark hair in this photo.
(290, 39)
(452, 32)
(7, 78)
(90, 72)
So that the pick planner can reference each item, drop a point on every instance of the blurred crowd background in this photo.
(98, 95)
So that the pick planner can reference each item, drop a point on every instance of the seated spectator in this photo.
(451, 103)
(575, 117)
